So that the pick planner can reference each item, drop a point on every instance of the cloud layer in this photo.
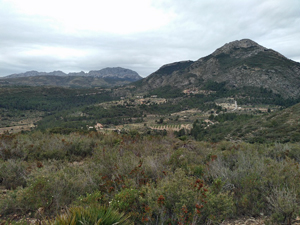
(138, 35)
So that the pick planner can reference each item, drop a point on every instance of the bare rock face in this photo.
(113, 72)
(238, 64)
(232, 47)
(80, 74)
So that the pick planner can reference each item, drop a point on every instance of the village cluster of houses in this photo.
(139, 97)
(196, 91)
(98, 127)
(146, 101)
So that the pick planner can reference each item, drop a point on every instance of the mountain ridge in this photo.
(112, 72)
(238, 63)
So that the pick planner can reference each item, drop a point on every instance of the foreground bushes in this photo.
(99, 215)
(151, 179)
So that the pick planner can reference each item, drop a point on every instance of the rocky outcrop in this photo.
(232, 47)
(113, 72)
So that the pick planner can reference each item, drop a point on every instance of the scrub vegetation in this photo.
(145, 179)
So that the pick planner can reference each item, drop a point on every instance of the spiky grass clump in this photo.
(98, 215)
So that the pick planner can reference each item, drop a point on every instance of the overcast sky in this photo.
(142, 35)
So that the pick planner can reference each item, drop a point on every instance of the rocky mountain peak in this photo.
(244, 44)
(238, 64)
(115, 72)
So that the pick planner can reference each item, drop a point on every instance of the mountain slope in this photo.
(239, 63)
(281, 126)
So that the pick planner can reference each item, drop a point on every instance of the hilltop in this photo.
(237, 64)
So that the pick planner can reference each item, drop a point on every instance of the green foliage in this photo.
(197, 170)
(41, 146)
(99, 215)
(197, 101)
(65, 110)
(181, 134)
(62, 130)
(178, 159)
(48, 99)
(50, 188)
(284, 205)
(13, 173)
(214, 86)
(218, 207)
(93, 198)
(259, 95)
(172, 194)
(274, 127)
(232, 117)
(260, 183)
(167, 92)
(127, 200)
(267, 60)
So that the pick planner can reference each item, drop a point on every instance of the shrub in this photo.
(197, 170)
(93, 198)
(127, 201)
(79, 149)
(100, 215)
(50, 188)
(13, 173)
(179, 159)
(218, 207)
(173, 196)
(252, 172)
(284, 205)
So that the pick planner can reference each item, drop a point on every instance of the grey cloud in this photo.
(197, 30)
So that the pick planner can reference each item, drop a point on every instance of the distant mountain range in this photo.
(111, 72)
(107, 77)
(237, 64)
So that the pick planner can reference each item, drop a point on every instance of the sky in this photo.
(141, 35)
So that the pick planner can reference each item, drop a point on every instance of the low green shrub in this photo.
(93, 198)
(127, 200)
(13, 173)
(49, 187)
(174, 199)
(218, 207)
(99, 215)
(284, 205)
